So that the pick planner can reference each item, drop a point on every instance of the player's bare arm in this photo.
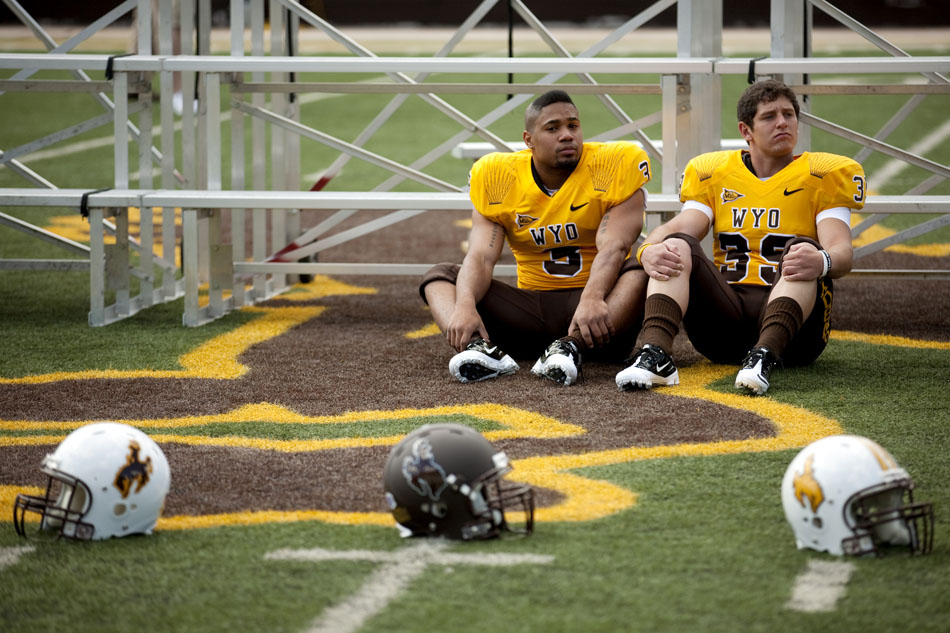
(485, 245)
(805, 262)
(618, 231)
(835, 237)
(661, 260)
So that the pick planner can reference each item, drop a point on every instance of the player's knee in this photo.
(685, 250)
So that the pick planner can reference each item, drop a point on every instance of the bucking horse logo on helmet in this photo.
(807, 487)
(422, 472)
(135, 471)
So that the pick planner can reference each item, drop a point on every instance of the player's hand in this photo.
(802, 262)
(661, 261)
(591, 323)
(462, 327)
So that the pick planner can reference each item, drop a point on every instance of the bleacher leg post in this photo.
(189, 223)
(97, 268)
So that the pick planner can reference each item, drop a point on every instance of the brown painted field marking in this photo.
(584, 498)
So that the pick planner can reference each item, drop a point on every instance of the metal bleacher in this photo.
(689, 87)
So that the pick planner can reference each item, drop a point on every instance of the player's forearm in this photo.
(603, 273)
(842, 258)
(473, 281)
(835, 239)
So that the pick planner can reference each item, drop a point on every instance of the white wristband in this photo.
(826, 263)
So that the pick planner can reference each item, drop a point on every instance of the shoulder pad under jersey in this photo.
(492, 176)
(706, 164)
(821, 164)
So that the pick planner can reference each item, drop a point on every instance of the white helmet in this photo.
(105, 479)
(846, 494)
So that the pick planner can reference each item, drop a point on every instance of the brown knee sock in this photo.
(783, 318)
(661, 321)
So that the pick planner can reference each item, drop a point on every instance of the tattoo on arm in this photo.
(494, 235)
(603, 222)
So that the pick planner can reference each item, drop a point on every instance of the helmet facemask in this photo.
(62, 508)
(490, 497)
(886, 516)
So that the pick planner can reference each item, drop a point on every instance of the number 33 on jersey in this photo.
(752, 219)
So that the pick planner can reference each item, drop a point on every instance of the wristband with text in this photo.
(826, 264)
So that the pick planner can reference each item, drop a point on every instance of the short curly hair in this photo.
(763, 92)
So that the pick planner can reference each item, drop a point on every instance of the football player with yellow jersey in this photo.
(570, 211)
(780, 231)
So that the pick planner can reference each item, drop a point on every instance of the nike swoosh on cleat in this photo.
(573, 208)
(662, 367)
(788, 193)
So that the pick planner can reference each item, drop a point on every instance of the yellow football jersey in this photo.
(752, 218)
(553, 237)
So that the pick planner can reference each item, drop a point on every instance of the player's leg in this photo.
(790, 304)
(666, 302)
(439, 294)
(812, 338)
(801, 348)
(562, 359)
(512, 318)
(480, 359)
(625, 304)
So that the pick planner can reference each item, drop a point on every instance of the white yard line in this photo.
(9, 556)
(390, 579)
(820, 586)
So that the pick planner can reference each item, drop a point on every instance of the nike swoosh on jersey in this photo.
(788, 193)
(573, 208)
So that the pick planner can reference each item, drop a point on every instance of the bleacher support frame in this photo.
(690, 88)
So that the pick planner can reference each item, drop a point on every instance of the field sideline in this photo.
(658, 511)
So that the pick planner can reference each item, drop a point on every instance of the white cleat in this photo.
(649, 366)
(756, 371)
(480, 360)
(560, 362)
